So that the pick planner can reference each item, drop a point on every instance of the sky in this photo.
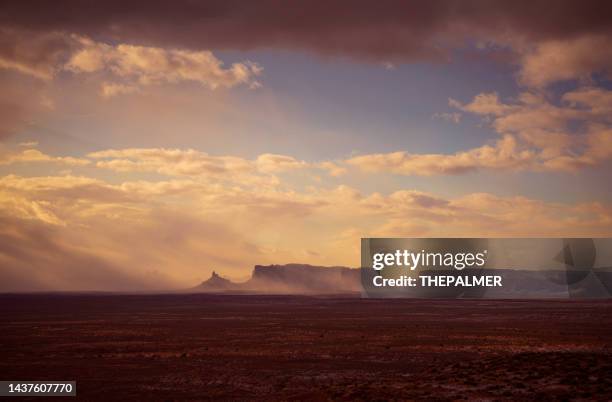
(144, 145)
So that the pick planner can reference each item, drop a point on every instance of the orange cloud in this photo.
(164, 234)
(141, 65)
(561, 60)
(34, 155)
(503, 155)
(190, 162)
(43, 55)
(169, 161)
(535, 135)
(277, 163)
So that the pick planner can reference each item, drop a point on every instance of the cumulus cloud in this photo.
(182, 162)
(44, 54)
(536, 134)
(484, 103)
(34, 155)
(571, 59)
(597, 101)
(152, 65)
(190, 162)
(503, 155)
(563, 136)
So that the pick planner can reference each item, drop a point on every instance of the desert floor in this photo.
(178, 347)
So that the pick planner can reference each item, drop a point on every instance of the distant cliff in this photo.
(217, 283)
(288, 279)
(517, 283)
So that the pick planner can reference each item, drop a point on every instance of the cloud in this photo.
(227, 212)
(153, 65)
(61, 200)
(484, 104)
(169, 161)
(562, 60)
(334, 169)
(596, 100)
(186, 228)
(485, 215)
(536, 135)
(190, 162)
(45, 54)
(149, 43)
(568, 136)
(34, 155)
(34, 63)
(599, 144)
(503, 155)
(39, 55)
(397, 31)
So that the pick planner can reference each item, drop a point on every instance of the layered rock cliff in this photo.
(289, 279)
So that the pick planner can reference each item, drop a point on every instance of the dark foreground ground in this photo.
(196, 347)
